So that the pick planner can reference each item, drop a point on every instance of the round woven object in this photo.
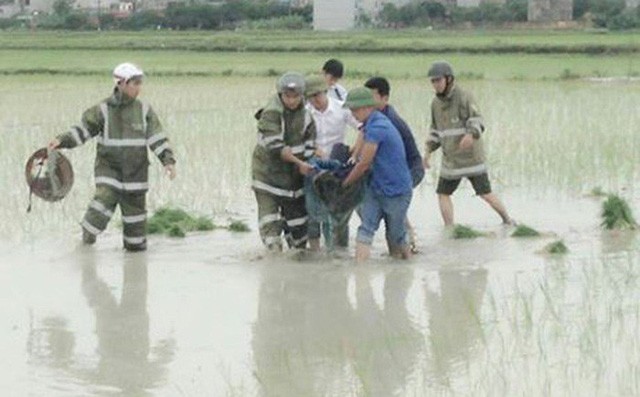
(49, 174)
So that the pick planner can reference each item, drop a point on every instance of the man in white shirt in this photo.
(333, 71)
(331, 121)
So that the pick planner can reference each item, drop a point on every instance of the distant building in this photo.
(550, 10)
(334, 14)
(632, 3)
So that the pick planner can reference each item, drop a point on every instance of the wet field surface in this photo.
(213, 314)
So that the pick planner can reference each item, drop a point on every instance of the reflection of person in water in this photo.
(384, 343)
(298, 334)
(454, 318)
(123, 329)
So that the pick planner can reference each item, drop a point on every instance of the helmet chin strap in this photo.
(447, 88)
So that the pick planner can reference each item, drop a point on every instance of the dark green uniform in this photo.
(278, 185)
(124, 128)
(452, 117)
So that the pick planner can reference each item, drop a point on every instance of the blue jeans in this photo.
(376, 207)
(318, 215)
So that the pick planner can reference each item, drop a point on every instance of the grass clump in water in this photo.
(238, 226)
(176, 222)
(525, 231)
(597, 192)
(556, 248)
(616, 214)
(465, 232)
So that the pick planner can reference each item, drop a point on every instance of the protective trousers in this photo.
(134, 215)
(278, 214)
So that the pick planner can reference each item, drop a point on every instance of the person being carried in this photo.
(388, 188)
(331, 121)
(457, 127)
(286, 140)
(125, 127)
(381, 90)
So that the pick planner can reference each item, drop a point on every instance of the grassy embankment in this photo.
(502, 55)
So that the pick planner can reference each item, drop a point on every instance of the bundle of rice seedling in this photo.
(616, 214)
(465, 232)
(176, 222)
(238, 226)
(525, 231)
(557, 247)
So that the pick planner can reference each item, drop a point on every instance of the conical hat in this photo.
(49, 174)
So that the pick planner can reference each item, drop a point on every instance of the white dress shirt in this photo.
(331, 124)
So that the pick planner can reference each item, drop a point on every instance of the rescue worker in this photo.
(457, 127)
(124, 127)
(286, 140)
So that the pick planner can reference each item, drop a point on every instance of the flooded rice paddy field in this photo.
(213, 315)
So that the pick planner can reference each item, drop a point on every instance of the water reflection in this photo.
(454, 320)
(50, 342)
(310, 339)
(126, 359)
(384, 341)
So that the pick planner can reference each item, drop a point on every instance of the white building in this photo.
(334, 14)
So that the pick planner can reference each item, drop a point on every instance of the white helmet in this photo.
(125, 72)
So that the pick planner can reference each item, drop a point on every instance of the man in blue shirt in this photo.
(381, 91)
(388, 188)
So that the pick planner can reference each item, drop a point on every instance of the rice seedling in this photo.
(556, 248)
(176, 222)
(465, 232)
(616, 214)
(525, 231)
(238, 226)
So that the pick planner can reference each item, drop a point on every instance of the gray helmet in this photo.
(440, 69)
(291, 81)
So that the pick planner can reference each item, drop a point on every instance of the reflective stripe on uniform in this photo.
(134, 240)
(297, 221)
(452, 132)
(98, 206)
(105, 114)
(298, 149)
(76, 136)
(269, 219)
(297, 242)
(123, 142)
(155, 138)
(460, 172)
(90, 228)
(272, 240)
(134, 218)
(126, 186)
(276, 190)
(434, 136)
(158, 151)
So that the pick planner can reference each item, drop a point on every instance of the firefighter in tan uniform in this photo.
(124, 128)
(457, 127)
(286, 140)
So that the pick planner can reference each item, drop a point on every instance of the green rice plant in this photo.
(597, 192)
(176, 222)
(176, 231)
(616, 214)
(525, 231)
(556, 248)
(238, 226)
(465, 232)
(204, 224)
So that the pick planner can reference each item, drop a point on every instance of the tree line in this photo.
(272, 14)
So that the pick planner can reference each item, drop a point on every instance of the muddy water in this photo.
(213, 315)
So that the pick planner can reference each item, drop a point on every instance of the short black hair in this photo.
(379, 84)
(334, 68)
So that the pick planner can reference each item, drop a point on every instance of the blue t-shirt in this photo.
(414, 159)
(389, 173)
